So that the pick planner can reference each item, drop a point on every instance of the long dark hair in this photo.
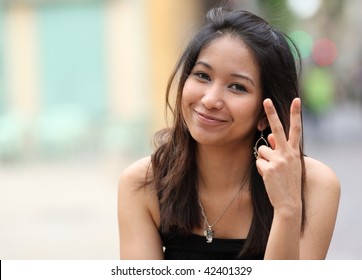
(174, 170)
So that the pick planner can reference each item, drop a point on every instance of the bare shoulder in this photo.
(138, 213)
(319, 176)
(321, 198)
(135, 189)
(322, 194)
(135, 174)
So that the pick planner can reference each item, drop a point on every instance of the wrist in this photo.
(289, 211)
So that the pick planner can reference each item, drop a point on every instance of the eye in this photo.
(202, 76)
(238, 87)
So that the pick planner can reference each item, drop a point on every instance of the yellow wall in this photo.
(172, 23)
(21, 60)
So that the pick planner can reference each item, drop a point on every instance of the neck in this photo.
(221, 169)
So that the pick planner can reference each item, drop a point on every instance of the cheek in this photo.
(188, 95)
(185, 100)
(248, 112)
(187, 92)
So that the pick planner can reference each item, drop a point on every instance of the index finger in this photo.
(275, 124)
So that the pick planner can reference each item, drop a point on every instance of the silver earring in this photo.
(257, 144)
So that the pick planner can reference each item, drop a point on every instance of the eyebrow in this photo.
(242, 76)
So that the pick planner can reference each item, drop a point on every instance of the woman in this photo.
(229, 179)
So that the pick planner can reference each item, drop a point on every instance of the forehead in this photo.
(230, 52)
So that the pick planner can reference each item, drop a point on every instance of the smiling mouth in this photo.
(210, 118)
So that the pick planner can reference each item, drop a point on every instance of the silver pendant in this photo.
(209, 234)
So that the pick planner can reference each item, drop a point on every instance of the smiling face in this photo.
(221, 98)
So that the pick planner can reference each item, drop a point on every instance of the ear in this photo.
(263, 122)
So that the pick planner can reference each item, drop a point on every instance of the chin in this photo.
(208, 140)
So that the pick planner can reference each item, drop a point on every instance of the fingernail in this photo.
(268, 101)
(298, 101)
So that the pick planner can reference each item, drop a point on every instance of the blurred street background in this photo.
(82, 86)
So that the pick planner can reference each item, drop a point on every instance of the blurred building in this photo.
(86, 76)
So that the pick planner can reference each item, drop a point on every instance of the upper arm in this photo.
(322, 193)
(138, 231)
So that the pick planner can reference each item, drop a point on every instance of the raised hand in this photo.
(280, 165)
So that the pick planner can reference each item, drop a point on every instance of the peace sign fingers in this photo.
(280, 165)
(277, 127)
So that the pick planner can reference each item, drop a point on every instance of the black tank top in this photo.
(195, 247)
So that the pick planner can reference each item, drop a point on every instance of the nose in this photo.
(213, 97)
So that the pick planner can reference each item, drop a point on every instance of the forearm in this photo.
(284, 237)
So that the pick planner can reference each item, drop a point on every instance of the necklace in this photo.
(208, 228)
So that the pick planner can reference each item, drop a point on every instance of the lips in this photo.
(209, 118)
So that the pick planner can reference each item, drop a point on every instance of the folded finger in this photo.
(271, 140)
(261, 165)
(265, 153)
